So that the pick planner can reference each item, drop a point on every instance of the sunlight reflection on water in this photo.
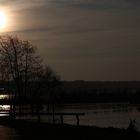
(6, 96)
(4, 108)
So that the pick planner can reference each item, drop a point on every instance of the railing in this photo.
(54, 114)
(39, 114)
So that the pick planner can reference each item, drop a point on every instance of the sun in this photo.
(3, 20)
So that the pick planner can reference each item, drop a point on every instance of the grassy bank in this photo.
(33, 130)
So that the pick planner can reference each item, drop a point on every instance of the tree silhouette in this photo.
(19, 63)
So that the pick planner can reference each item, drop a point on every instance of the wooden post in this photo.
(32, 108)
(38, 112)
(77, 117)
(10, 111)
(38, 117)
(14, 110)
(19, 108)
(61, 117)
(53, 113)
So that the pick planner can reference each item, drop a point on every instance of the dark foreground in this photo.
(41, 131)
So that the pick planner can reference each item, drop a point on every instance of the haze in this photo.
(81, 39)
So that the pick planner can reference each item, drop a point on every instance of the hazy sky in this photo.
(81, 39)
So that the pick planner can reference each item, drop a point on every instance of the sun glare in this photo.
(3, 20)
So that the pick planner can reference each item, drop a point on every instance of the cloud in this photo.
(97, 4)
(82, 4)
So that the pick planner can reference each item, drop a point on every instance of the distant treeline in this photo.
(88, 91)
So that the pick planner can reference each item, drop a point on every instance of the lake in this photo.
(102, 114)
(96, 114)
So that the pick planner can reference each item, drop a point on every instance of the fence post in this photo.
(10, 111)
(61, 116)
(77, 117)
(38, 116)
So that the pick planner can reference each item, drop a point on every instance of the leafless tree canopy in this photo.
(20, 63)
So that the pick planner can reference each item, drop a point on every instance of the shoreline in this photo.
(35, 130)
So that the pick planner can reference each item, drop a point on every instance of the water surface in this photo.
(103, 114)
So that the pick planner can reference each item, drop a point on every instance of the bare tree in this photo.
(20, 63)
